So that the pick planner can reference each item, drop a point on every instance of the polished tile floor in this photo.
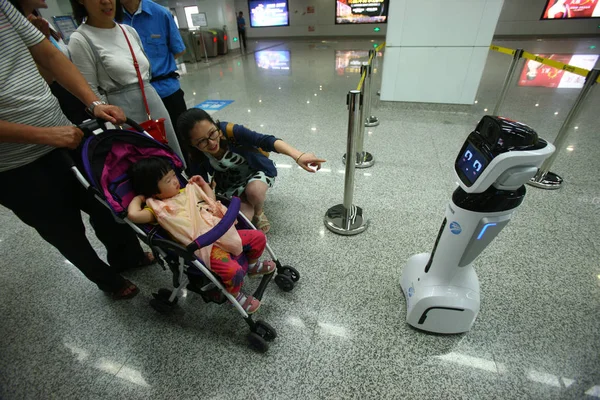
(342, 332)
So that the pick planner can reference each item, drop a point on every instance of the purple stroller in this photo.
(106, 156)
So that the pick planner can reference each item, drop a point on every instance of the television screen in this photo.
(361, 11)
(537, 74)
(568, 9)
(268, 13)
(277, 61)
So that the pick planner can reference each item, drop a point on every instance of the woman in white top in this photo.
(100, 51)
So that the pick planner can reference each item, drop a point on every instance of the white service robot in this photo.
(495, 162)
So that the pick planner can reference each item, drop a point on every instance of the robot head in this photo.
(502, 153)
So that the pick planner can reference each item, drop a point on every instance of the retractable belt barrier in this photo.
(545, 179)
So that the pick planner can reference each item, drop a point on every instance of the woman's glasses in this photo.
(201, 144)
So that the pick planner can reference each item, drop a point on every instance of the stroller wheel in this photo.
(161, 303)
(257, 342)
(166, 294)
(161, 307)
(285, 282)
(291, 271)
(265, 330)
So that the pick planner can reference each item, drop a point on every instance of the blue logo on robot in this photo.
(455, 228)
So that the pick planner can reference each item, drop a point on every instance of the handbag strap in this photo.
(137, 71)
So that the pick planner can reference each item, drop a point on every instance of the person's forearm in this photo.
(179, 54)
(67, 74)
(284, 148)
(19, 133)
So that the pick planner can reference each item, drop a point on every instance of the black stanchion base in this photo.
(334, 220)
(550, 181)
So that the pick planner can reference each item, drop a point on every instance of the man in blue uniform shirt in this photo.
(163, 44)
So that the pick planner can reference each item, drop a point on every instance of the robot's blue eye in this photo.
(477, 165)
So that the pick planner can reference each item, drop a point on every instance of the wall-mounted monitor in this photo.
(571, 9)
(361, 11)
(274, 61)
(538, 74)
(264, 13)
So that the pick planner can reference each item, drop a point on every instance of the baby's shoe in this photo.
(262, 268)
(249, 303)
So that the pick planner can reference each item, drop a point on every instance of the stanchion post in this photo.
(203, 45)
(370, 120)
(347, 219)
(508, 79)
(545, 179)
(360, 138)
(363, 159)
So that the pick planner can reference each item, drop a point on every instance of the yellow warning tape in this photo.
(504, 50)
(546, 61)
(555, 64)
(362, 81)
(381, 46)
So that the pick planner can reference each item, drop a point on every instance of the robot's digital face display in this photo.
(471, 163)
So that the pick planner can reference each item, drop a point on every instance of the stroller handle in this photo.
(220, 229)
(89, 126)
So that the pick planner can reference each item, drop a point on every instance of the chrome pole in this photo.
(370, 120)
(346, 219)
(203, 45)
(364, 159)
(509, 76)
(544, 179)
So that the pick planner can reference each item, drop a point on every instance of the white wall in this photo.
(323, 21)
(435, 59)
(56, 8)
(518, 18)
(522, 18)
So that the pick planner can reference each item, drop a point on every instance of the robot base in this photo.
(441, 308)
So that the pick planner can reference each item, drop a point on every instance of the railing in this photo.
(346, 218)
(544, 178)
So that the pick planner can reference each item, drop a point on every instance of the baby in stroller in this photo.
(189, 212)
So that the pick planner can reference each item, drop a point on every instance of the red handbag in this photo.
(154, 127)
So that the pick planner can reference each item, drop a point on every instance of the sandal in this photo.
(262, 268)
(250, 304)
(128, 291)
(261, 222)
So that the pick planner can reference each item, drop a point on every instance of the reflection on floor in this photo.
(341, 331)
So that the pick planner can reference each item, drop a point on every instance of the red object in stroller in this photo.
(106, 156)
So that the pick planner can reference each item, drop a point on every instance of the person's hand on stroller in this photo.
(63, 136)
(206, 188)
(110, 113)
